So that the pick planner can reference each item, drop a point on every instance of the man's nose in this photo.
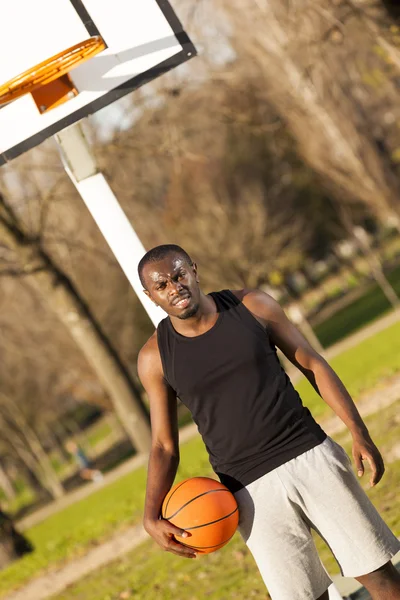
(176, 286)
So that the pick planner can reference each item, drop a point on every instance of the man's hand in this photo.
(163, 532)
(365, 449)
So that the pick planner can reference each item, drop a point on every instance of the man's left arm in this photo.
(321, 376)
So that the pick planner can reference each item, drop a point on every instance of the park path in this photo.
(55, 582)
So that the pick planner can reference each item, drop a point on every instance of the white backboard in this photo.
(144, 39)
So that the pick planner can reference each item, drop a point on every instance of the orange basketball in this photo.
(204, 508)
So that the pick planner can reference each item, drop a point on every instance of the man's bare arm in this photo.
(164, 454)
(321, 376)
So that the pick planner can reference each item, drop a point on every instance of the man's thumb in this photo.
(359, 465)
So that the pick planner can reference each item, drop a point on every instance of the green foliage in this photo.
(396, 155)
(25, 495)
(56, 463)
(99, 434)
(351, 280)
(374, 78)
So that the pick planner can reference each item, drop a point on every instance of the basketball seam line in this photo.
(211, 522)
(177, 488)
(192, 499)
(206, 547)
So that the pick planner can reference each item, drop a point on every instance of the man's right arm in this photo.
(164, 454)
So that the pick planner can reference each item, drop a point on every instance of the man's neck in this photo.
(201, 322)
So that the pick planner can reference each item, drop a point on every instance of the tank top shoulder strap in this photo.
(161, 333)
(225, 299)
(165, 346)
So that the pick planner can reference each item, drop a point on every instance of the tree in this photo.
(360, 238)
(329, 69)
(40, 272)
(222, 180)
(12, 543)
(26, 444)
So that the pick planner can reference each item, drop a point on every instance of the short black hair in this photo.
(159, 253)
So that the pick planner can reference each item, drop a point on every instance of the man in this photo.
(83, 462)
(217, 353)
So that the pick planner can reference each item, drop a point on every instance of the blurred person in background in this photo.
(85, 468)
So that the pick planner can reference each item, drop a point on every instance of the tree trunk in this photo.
(7, 551)
(57, 438)
(34, 444)
(53, 483)
(360, 238)
(377, 272)
(34, 457)
(64, 300)
(32, 479)
(12, 543)
(6, 484)
(297, 316)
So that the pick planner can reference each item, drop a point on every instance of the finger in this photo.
(182, 533)
(181, 550)
(374, 470)
(173, 530)
(359, 464)
(181, 554)
(377, 468)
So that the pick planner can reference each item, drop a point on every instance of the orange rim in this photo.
(50, 69)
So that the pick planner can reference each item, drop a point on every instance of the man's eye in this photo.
(181, 274)
(161, 286)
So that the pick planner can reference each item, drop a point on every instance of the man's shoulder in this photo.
(149, 359)
(150, 348)
(251, 295)
(259, 303)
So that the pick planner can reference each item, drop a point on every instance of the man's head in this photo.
(71, 446)
(169, 278)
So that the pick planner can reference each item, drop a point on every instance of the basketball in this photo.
(204, 508)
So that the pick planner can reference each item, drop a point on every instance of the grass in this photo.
(361, 368)
(71, 532)
(361, 312)
(99, 434)
(149, 573)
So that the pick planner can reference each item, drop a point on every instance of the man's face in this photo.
(173, 285)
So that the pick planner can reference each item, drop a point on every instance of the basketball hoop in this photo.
(51, 69)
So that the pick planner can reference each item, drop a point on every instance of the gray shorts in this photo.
(317, 490)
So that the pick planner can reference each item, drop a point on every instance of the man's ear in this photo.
(194, 266)
(148, 295)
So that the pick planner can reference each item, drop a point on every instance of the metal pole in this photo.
(334, 593)
(80, 164)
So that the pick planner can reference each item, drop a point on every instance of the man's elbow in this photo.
(309, 361)
(167, 448)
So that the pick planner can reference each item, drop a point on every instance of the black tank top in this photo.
(247, 411)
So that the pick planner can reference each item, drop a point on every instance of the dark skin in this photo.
(173, 284)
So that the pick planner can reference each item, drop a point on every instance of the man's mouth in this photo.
(182, 302)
